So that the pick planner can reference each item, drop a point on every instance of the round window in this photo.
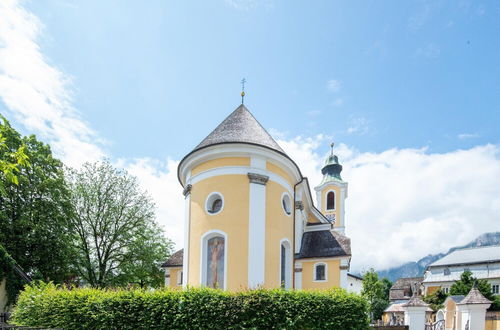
(214, 203)
(287, 203)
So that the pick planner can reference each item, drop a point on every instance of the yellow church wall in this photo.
(311, 218)
(333, 275)
(278, 226)
(221, 162)
(279, 171)
(174, 277)
(492, 321)
(338, 204)
(233, 220)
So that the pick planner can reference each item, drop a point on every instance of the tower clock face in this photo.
(331, 217)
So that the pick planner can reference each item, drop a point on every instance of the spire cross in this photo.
(243, 81)
(331, 146)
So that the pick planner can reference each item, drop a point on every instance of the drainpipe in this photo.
(293, 245)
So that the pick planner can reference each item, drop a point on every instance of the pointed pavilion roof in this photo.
(474, 297)
(240, 127)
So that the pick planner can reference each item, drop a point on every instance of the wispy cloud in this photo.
(466, 136)
(334, 85)
(338, 102)
(35, 92)
(358, 125)
(314, 113)
(247, 5)
(430, 51)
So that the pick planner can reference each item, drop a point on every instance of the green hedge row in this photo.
(50, 306)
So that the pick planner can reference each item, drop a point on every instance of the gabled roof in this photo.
(403, 287)
(240, 127)
(473, 255)
(415, 301)
(324, 243)
(175, 259)
(474, 297)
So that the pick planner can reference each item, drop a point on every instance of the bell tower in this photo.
(332, 192)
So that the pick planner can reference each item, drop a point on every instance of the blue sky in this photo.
(409, 91)
(410, 73)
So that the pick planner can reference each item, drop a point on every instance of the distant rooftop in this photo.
(470, 256)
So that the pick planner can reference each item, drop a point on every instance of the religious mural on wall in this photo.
(215, 262)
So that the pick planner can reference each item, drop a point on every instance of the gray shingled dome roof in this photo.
(240, 127)
(474, 297)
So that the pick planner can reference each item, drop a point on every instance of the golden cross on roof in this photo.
(243, 81)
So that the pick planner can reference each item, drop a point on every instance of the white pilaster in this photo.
(298, 275)
(256, 228)
(187, 221)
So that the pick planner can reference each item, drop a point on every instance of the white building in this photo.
(483, 262)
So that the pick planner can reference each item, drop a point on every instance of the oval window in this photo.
(286, 203)
(214, 203)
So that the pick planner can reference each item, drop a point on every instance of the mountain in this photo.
(414, 269)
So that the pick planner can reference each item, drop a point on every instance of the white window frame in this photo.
(289, 263)
(326, 271)
(283, 206)
(203, 255)
(334, 200)
(497, 286)
(209, 201)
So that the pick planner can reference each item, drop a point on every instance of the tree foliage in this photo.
(34, 209)
(436, 300)
(466, 282)
(376, 291)
(117, 240)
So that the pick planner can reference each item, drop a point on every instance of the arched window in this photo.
(330, 200)
(320, 272)
(285, 265)
(214, 260)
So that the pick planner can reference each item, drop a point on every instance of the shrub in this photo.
(51, 306)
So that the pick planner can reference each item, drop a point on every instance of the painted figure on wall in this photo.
(215, 263)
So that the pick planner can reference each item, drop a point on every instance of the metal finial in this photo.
(243, 81)
(331, 146)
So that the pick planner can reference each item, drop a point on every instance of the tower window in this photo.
(214, 203)
(286, 203)
(285, 264)
(330, 200)
(320, 272)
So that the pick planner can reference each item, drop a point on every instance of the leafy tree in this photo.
(436, 300)
(34, 209)
(375, 291)
(10, 160)
(141, 265)
(116, 237)
(466, 282)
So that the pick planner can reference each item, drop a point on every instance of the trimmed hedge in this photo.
(50, 306)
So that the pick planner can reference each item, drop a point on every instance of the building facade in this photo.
(483, 262)
(250, 220)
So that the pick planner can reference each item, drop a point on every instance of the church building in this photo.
(250, 219)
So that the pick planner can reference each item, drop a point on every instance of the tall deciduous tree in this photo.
(375, 291)
(117, 239)
(34, 208)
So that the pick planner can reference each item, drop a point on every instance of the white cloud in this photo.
(428, 51)
(334, 85)
(36, 93)
(247, 5)
(358, 125)
(314, 113)
(406, 203)
(466, 136)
